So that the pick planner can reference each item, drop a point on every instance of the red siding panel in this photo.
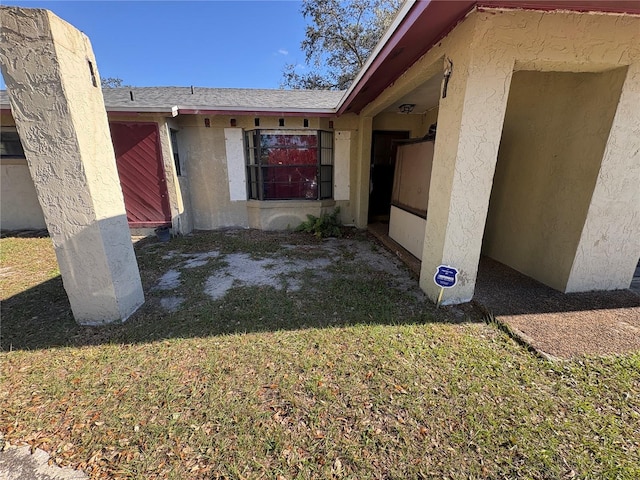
(142, 177)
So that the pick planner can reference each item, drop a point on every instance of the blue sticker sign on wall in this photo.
(446, 276)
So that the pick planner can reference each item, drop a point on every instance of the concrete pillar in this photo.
(365, 132)
(57, 103)
(609, 245)
(469, 129)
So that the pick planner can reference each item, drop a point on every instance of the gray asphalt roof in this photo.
(234, 99)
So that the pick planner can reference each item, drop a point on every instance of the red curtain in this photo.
(290, 166)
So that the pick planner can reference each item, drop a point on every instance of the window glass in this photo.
(10, 145)
(289, 164)
(174, 148)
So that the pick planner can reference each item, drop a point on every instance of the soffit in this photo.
(427, 22)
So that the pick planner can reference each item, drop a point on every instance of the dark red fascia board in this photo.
(424, 25)
(429, 21)
(133, 113)
(255, 113)
(606, 6)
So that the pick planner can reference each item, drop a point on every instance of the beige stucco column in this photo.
(365, 132)
(57, 103)
(469, 130)
(609, 244)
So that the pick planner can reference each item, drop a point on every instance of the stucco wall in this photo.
(392, 121)
(555, 131)
(200, 198)
(204, 151)
(486, 48)
(610, 240)
(203, 155)
(19, 206)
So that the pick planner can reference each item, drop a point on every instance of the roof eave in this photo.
(133, 109)
(390, 58)
(292, 112)
(356, 85)
(289, 112)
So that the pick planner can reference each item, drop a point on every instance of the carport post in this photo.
(57, 104)
(607, 253)
(470, 123)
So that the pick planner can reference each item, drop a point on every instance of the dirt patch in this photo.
(171, 304)
(169, 281)
(199, 260)
(243, 270)
(283, 269)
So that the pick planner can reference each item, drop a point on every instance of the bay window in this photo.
(289, 164)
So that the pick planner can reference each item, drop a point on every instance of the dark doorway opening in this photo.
(383, 162)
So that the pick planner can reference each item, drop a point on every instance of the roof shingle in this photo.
(214, 99)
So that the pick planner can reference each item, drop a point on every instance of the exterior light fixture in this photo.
(407, 107)
(233, 122)
(448, 70)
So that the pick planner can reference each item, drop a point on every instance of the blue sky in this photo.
(236, 43)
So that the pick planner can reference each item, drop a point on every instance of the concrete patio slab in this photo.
(18, 463)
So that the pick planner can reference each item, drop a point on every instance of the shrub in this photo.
(326, 225)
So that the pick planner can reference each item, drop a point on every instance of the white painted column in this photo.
(236, 168)
(342, 165)
(469, 130)
(361, 200)
(609, 245)
(57, 103)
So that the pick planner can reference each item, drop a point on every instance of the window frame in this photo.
(173, 139)
(255, 166)
(13, 131)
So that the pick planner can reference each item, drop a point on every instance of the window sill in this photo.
(284, 214)
(13, 161)
(268, 204)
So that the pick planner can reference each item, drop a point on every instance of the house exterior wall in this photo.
(204, 159)
(554, 136)
(214, 194)
(391, 121)
(19, 207)
(609, 247)
(25, 212)
(204, 196)
(485, 49)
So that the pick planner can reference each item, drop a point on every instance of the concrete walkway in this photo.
(17, 463)
(557, 325)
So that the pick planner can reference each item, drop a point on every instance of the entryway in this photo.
(383, 161)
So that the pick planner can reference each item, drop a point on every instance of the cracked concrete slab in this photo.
(18, 463)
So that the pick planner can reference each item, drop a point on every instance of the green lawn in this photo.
(350, 375)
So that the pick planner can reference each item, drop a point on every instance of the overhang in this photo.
(422, 24)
